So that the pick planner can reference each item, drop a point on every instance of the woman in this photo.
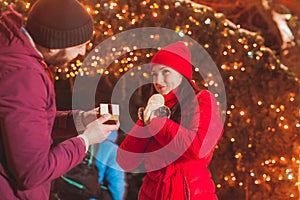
(170, 147)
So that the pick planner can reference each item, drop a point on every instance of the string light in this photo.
(285, 166)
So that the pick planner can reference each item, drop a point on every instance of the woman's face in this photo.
(165, 79)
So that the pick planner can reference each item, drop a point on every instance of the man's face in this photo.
(60, 57)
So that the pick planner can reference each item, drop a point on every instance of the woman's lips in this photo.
(161, 87)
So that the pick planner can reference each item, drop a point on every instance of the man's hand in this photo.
(90, 116)
(97, 132)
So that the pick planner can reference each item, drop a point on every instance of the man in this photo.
(56, 32)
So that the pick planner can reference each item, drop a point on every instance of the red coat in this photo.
(28, 162)
(170, 152)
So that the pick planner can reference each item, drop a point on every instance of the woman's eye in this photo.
(165, 72)
(153, 74)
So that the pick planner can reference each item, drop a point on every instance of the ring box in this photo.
(113, 109)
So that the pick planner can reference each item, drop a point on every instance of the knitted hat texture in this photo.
(58, 24)
(177, 56)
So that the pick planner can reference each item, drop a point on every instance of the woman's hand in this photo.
(149, 113)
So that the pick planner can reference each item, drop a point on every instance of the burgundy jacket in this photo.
(170, 152)
(28, 160)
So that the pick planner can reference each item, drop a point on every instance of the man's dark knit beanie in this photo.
(58, 24)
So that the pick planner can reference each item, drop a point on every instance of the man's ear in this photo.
(53, 50)
(44, 50)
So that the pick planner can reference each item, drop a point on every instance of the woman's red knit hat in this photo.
(176, 56)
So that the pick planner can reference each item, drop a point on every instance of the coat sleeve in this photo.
(64, 124)
(130, 151)
(26, 131)
(187, 140)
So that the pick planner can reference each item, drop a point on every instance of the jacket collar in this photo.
(171, 98)
(27, 35)
(12, 37)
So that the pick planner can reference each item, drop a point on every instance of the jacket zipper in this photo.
(187, 193)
